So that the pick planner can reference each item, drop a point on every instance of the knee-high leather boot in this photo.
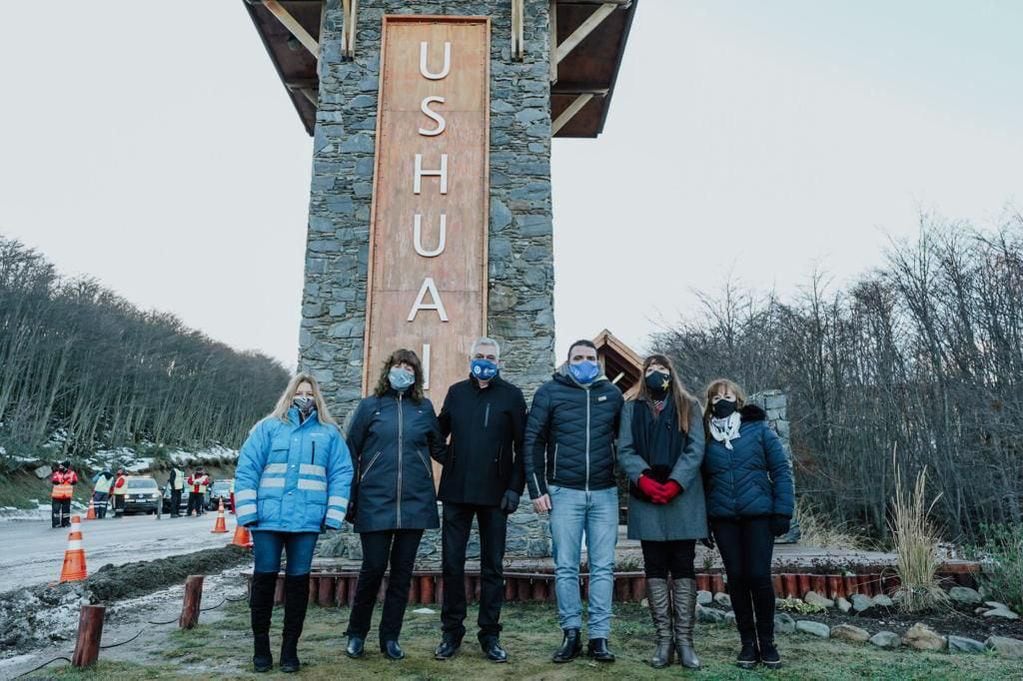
(659, 598)
(684, 592)
(296, 600)
(261, 607)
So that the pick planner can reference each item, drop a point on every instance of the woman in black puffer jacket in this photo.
(750, 497)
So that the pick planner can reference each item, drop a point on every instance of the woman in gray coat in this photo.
(660, 440)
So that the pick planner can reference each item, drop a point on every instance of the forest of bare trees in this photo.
(919, 362)
(78, 360)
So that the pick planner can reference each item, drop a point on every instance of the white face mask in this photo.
(304, 403)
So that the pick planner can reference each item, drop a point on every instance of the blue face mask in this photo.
(483, 369)
(400, 379)
(584, 372)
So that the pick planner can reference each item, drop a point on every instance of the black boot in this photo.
(296, 600)
(391, 650)
(598, 650)
(769, 655)
(659, 600)
(356, 646)
(748, 655)
(261, 608)
(491, 646)
(570, 648)
(448, 647)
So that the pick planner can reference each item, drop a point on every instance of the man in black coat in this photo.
(483, 476)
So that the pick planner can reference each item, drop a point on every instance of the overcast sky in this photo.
(153, 147)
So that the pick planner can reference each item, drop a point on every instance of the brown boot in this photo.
(684, 592)
(658, 597)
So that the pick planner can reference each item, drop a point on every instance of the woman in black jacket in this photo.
(392, 436)
(749, 491)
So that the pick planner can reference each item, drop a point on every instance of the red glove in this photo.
(671, 490)
(653, 489)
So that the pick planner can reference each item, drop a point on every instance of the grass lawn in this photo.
(223, 650)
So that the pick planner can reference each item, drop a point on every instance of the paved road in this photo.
(31, 552)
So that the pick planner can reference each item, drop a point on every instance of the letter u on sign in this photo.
(424, 62)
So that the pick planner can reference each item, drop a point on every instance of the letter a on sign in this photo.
(420, 304)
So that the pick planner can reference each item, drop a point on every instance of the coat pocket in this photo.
(369, 466)
(429, 468)
(269, 510)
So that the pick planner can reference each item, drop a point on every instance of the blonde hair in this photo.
(280, 411)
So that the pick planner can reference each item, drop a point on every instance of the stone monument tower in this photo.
(430, 205)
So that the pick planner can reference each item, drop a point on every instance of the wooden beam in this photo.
(569, 113)
(296, 29)
(585, 28)
(553, 32)
(351, 20)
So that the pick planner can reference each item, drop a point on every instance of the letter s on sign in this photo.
(433, 115)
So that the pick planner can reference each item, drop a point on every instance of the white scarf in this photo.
(726, 429)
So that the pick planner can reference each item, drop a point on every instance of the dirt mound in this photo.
(42, 614)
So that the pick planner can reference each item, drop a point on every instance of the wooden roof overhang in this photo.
(591, 38)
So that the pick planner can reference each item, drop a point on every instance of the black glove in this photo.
(708, 541)
(509, 502)
(780, 524)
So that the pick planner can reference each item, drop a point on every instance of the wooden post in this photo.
(90, 631)
(341, 592)
(193, 600)
(326, 591)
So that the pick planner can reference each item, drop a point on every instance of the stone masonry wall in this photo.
(775, 403)
(521, 269)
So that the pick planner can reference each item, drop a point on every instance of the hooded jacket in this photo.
(570, 435)
(292, 476)
(751, 479)
(392, 439)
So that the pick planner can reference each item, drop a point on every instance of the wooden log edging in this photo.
(337, 588)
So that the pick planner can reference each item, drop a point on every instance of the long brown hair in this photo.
(284, 402)
(714, 388)
(398, 357)
(679, 395)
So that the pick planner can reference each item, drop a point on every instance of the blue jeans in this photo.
(267, 546)
(574, 511)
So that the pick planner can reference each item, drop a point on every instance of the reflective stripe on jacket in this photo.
(293, 477)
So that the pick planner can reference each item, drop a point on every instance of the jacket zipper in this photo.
(371, 462)
(312, 457)
(486, 416)
(555, 476)
(399, 457)
(587, 439)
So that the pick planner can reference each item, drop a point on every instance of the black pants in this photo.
(396, 548)
(493, 525)
(118, 505)
(675, 557)
(175, 504)
(746, 547)
(195, 500)
(61, 512)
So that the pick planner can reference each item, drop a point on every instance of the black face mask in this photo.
(722, 409)
(659, 383)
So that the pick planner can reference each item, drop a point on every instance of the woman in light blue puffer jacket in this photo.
(294, 477)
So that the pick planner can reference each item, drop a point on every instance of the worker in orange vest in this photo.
(64, 480)
(197, 484)
(120, 491)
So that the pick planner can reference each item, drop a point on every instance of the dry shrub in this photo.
(916, 542)
(818, 530)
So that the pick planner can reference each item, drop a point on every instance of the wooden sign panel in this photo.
(427, 288)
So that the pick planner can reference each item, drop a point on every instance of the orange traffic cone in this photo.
(74, 558)
(221, 525)
(242, 537)
(91, 515)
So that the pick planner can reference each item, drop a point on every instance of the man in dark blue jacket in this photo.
(570, 470)
(483, 476)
